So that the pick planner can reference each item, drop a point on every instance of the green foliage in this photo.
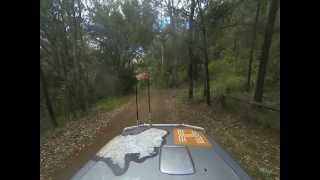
(90, 51)
(126, 82)
(105, 84)
(263, 117)
(87, 52)
(108, 104)
(224, 78)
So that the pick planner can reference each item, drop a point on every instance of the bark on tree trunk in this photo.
(170, 6)
(204, 89)
(253, 45)
(236, 53)
(190, 38)
(206, 58)
(47, 98)
(265, 50)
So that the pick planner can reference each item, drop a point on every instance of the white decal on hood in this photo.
(142, 144)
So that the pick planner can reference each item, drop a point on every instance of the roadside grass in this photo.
(259, 116)
(108, 104)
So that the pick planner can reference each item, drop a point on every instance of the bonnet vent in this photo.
(176, 160)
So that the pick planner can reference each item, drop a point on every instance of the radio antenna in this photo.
(149, 114)
(137, 108)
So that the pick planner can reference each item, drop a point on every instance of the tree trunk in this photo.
(265, 50)
(174, 37)
(204, 89)
(206, 58)
(253, 44)
(190, 49)
(236, 52)
(47, 98)
(162, 58)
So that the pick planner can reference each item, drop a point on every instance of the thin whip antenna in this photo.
(137, 109)
(149, 115)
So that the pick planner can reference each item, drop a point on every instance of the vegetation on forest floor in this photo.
(109, 104)
(58, 145)
(102, 106)
(255, 146)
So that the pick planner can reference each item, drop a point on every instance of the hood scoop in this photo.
(176, 160)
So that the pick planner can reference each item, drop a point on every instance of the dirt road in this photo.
(256, 149)
(163, 111)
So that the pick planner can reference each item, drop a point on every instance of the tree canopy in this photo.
(91, 49)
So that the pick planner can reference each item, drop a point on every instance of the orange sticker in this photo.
(187, 136)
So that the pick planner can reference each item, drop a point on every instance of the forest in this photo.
(222, 53)
(90, 50)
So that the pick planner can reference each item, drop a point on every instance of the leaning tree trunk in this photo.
(254, 35)
(190, 49)
(265, 50)
(47, 99)
(206, 58)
